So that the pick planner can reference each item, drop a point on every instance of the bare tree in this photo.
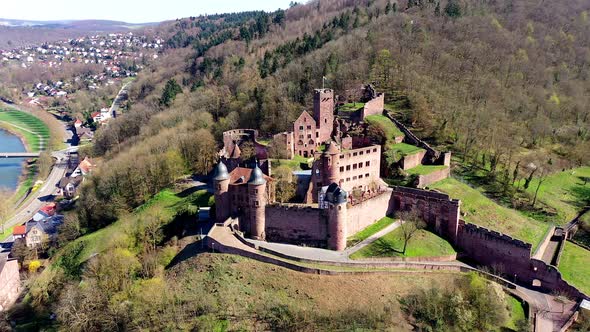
(410, 224)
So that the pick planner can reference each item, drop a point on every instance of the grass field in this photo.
(423, 244)
(370, 230)
(351, 107)
(425, 169)
(516, 312)
(485, 212)
(565, 192)
(7, 232)
(34, 131)
(389, 128)
(405, 149)
(294, 164)
(574, 266)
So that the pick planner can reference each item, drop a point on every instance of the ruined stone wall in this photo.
(431, 155)
(425, 180)
(438, 210)
(296, 224)
(305, 135)
(360, 167)
(374, 106)
(412, 160)
(512, 258)
(10, 285)
(368, 212)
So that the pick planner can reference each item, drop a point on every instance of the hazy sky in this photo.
(134, 11)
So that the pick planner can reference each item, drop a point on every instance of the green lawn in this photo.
(294, 164)
(565, 192)
(7, 232)
(574, 266)
(370, 230)
(351, 107)
(35, 132)
(425, 169)
(485, 212)
(389, 128)
(423, 244)
(516, 312)
(405, 149)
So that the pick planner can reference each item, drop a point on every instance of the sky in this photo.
(132, 11)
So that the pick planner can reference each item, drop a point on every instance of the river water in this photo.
(10, 169)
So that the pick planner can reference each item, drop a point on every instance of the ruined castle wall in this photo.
(296, 224)
(367, 212)
(425, 180)
(374, 106)
(10, 285)
(412, 160)
(360, 167)
(431, 155)
(438, 210)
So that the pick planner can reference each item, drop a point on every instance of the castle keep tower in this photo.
(337, 217)
(257, 203)
(323, 113)
(221, 185)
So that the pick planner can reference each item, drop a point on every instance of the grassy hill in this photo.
(33, 130)
(480, 210)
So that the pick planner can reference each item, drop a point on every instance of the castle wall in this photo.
(360, 167)
(427, 179)
(367, 212)
(431, 155)
(413, 160)
(296, 225)
(10, 285)
(374, 106)
(438, 210)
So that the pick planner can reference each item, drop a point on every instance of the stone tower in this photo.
(257, 203)
(330, 161)
(221, 185)
(323, 113)
(337, 217)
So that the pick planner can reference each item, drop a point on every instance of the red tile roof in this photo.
(241, 172)
(19, 230)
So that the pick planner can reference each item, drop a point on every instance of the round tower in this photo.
(221, 187)
(331, 164)
(257, 203)
(337, 217)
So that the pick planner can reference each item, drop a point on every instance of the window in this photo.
(367, 175)
(354, 166)
(308, 127)
(317, 134)
(300, 127)
(354, 178)
(347, 179)
(341, 156)
(361, 153)
(368, 163)
(375, 150)
(354, 154)
(308, 135)
(360, 165)
(348, 167)
(341, 168)
(360, 176)
(256, 203)
(369, 151)
(256, 191)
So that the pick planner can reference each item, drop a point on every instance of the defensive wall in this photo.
(368, 211)
(374, 106)
(423, 181)
(431, 156)
(413, 160)
(296, 224)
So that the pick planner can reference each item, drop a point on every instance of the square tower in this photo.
(323, 112)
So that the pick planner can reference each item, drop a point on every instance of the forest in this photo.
(503, 84)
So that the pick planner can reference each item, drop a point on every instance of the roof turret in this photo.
(257, 177)
(221, 172)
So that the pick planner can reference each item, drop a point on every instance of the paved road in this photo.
(119, 98)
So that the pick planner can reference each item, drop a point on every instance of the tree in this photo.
(170, 91)
(410, 224)
(247, 151)
(542, 179)
(284, 191)
(453, 9)
(45, 162)
(382, 70)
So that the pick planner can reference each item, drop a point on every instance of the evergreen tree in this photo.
(170, 91)
(453, 9)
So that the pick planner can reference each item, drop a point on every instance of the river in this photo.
(10, 169)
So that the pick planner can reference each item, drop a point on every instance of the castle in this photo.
(345, 194)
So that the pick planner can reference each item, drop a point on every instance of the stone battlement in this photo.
(490, 235)
(430, 194)
(287, 207)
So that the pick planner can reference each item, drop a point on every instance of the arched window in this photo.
(311, 142)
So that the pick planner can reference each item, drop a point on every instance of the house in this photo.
(19, 232)
(10, 285)
(96, 116)
(78, 123)
(85, 166)
(69, 186)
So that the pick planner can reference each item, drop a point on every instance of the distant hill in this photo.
(19, 33)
